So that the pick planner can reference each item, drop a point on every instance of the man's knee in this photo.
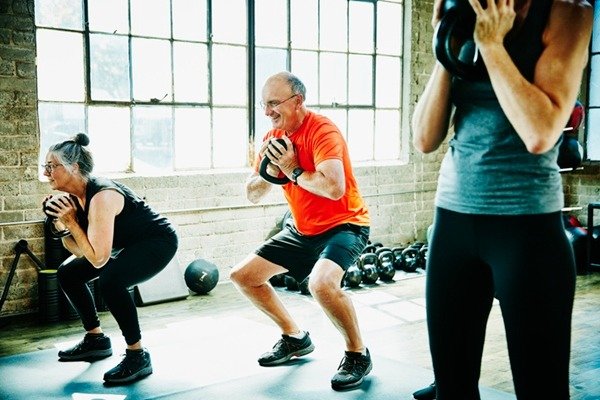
(253, 271)
(325, 278)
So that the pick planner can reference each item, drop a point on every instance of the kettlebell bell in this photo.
(453, 41)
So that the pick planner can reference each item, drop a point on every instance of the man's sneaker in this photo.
(93, 346)
(352, 370)
(427, 393)
(286, 348)
(135, 365)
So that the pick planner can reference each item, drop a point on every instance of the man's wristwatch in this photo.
(295, 174)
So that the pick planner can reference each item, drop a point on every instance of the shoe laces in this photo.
(353, 363)
(281, 345)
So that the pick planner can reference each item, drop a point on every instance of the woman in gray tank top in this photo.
(498, 228)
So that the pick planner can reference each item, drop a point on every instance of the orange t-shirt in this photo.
(317, 140)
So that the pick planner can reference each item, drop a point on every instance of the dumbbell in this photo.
(385, 264)
(352, 277)
(368, 266)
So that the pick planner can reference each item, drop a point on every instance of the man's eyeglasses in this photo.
(49, 167)
(274, 103)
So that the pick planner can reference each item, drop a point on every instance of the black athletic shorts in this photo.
(298, 253)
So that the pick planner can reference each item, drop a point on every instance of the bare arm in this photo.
(95, 244)
(327, 181)
(431, 117)
(537, 110)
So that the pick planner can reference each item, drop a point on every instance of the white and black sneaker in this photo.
(286, 348)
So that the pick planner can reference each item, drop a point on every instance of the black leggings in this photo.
(133, 265)
(527, 263)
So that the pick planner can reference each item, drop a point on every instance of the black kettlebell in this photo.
(49, 223)
(368, 265)
(352, 277)
(453, 41)
(385, 264)
(263, 169)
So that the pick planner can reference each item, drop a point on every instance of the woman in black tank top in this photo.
(114, 237)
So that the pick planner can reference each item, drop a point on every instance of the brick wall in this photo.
(213, 218)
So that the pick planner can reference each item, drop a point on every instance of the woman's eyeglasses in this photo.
(49, 167)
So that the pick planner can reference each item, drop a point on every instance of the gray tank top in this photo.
(487, 169)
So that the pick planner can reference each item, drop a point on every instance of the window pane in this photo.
(152, 140)
(387, 135)
(229, 21)
(332, 87)
(67, 14)
(60, 65)
(59, 122)
(230, 138)
(151, 18)
(305, 24)
(594, 100)
(230, 81)
(191, 72)
(305, 65)
(361, 39)
(389, 28)
(109, 67)
(596, 29)
(151, 60)
(109, 138)
(109, 16)
(360, 134)
(268, 62)
(388, 82)
(593, 135)
(189, 19)
(360, 82)
(192, 138)
(333, 26)
(271, 23)
(339, 117)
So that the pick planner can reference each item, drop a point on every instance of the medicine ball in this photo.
(201, 276)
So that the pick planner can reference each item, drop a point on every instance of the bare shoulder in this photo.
(574, 11)
(570, 21)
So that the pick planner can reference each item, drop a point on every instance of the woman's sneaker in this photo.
(135, 365)
(352, 370)
(427, 393)
(93, 346)
(286, 348)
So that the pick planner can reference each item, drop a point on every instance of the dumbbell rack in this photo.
(590, 239)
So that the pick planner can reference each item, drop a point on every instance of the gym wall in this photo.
(214, 219)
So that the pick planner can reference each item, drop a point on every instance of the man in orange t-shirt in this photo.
(330, 229)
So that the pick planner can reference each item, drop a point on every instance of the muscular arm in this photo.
(95, 244)
(327, 181)
(538, 110)
(431, 117)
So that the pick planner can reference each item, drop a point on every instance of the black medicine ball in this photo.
(201, 276)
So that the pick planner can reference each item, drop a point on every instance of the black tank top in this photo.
(137, 220)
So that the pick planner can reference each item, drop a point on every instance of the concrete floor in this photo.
(391, 315)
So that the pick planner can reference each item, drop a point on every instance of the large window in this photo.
(173, 85)
(593, 116)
